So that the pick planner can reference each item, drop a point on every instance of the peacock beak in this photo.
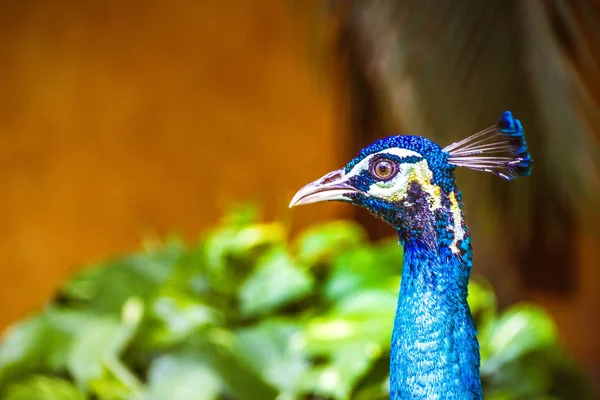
(330, 187)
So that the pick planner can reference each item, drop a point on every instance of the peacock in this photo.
(408, 182)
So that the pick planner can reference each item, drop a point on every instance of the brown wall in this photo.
(119, 119)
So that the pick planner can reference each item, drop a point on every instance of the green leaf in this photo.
(481, 298)
(231, 252)
(365, 268)
(375, 385)
(39, 387)
(374, 392)
(189, 273)
(525, 377)
(22, 347)
(271, 349)
(352, 337)
(322, 243)
(482, 302)
(99, 343)
(107, 286)
(116, 383)
(338, 377)
(99, 339)
(178, 377)
(366, 318)
(277, 281)
(174, 316)
(521, 329)
(217, 349)
(39, 343)
(368, 304)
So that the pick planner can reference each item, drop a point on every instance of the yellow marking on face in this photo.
(459, 232)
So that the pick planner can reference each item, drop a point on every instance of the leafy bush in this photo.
(243, 314)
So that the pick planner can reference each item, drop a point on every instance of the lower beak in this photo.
(328, 188)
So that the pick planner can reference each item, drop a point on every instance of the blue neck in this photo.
(434, 351)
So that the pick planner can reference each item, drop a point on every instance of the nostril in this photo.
(332, 177)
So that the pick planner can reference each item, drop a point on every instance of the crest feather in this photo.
(500, 149)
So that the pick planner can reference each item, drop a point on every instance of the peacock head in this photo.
(408, 181)
(399, 179)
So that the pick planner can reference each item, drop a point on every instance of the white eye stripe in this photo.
(398, 152)
(363, 165)
(386, 185)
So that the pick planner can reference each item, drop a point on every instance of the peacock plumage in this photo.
(408, 181)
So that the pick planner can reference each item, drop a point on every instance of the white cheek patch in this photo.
(393, 190)
(396, 189)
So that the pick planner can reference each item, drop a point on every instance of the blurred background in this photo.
(122, 122)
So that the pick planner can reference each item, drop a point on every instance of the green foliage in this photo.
(244, 314)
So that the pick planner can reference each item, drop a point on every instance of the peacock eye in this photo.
(384, 169)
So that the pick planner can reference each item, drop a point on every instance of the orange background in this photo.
(123, 119)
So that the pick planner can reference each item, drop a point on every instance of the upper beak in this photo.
(332, 186)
